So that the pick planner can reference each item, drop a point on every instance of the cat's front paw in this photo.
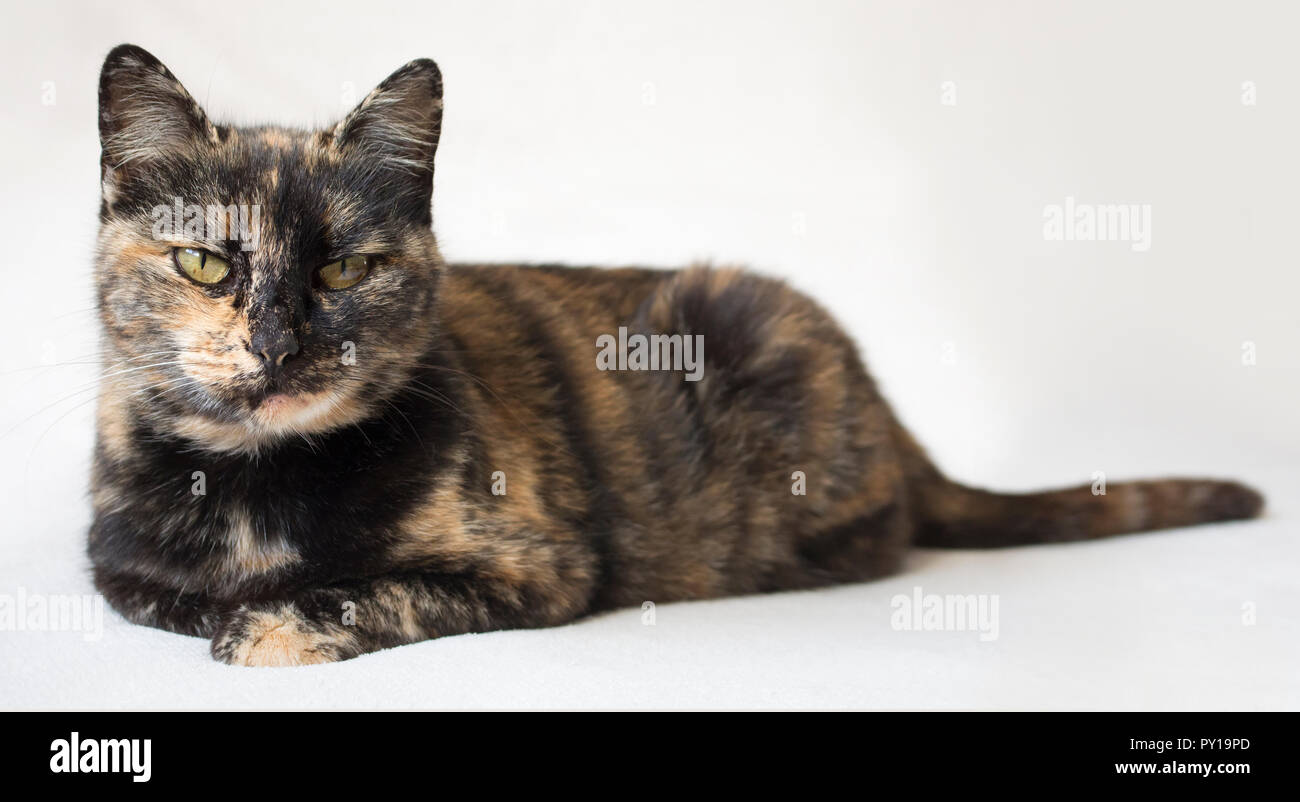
(277, 634)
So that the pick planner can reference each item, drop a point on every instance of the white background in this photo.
(809, 141)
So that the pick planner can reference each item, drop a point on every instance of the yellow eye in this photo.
(345, 272)
(202, 266)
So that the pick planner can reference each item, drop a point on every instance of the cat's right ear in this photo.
(145, 115)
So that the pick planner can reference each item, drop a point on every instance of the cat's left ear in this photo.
(398, 124)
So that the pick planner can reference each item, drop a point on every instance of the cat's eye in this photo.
(203, 267)
(345, 272)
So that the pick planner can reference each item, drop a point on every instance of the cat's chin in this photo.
(297, 411)
(270, 419)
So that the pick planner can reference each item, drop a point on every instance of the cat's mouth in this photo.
(301, 411)
(262, 419)
(247, 411)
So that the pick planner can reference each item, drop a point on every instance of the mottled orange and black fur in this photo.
(319, 508)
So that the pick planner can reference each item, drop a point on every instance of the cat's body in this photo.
(472, 467)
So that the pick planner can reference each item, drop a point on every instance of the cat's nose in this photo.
(274, 349)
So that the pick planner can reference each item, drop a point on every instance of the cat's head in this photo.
(260, 283)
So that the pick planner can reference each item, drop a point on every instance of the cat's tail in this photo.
(951, 515)
(955, 516)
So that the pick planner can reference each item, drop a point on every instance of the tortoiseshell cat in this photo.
(316, 439)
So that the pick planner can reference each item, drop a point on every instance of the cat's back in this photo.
(687, 465)
(584, 296)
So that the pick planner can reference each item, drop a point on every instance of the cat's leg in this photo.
(143, 602)
(339, 623)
